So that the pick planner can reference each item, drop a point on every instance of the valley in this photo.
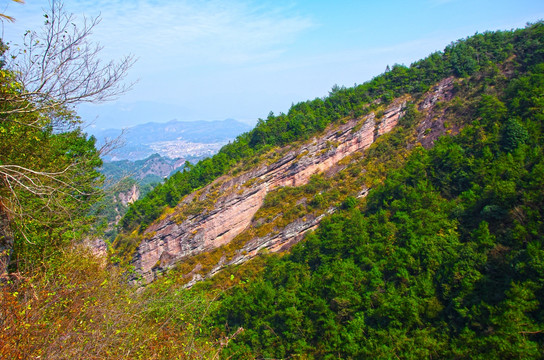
(400, 218)
(190, 140)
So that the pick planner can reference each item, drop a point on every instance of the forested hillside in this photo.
(444, 260)
(480, 54)
(424, 246)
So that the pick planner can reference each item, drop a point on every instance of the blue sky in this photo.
(241, 59)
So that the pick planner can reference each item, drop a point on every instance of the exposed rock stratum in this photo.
(215, 215)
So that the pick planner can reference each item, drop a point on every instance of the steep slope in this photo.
(215, 215)
(220, 208)
(442, 259)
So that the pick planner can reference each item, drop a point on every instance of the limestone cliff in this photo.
(215, 215)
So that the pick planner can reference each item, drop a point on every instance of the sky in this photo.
(241, 59)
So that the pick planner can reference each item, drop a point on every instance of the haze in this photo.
(217, 59)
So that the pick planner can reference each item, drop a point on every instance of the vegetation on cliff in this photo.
(443, 260)
(481, 54)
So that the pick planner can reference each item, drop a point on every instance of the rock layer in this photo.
(129, 196)
(433, 125)
(215, 215)
(175, 237)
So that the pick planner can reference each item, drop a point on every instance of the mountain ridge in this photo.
(221, 218)
(192, 140)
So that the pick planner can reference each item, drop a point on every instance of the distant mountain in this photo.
(174, 139)
(125, 182)
(150, 170)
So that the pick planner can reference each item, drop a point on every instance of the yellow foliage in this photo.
(80, 309)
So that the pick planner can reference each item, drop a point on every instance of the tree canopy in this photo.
(443, 260)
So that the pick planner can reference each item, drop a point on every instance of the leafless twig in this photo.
(60, 67)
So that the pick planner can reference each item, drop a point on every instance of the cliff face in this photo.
(174, 237)
(130, 196)
(434, 123)
(216, 214)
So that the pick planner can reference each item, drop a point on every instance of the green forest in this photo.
(444, 258)
(442, 261)
(480, 54)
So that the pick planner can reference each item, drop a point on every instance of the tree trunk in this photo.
(6, 242)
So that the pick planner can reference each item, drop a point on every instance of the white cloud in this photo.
(196, 32)
(182, 43)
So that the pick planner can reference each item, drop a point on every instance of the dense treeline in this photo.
(482, 53)
(445, 260)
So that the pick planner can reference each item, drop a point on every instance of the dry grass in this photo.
(78, 308)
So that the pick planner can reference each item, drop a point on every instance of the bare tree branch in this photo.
(7, 17)
(60, 67)
(43, 80)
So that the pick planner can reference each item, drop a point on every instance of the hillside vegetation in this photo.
(480, 54)
(444, 258)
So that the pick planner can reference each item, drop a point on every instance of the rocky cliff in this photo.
(215, 215)
(129, 196)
